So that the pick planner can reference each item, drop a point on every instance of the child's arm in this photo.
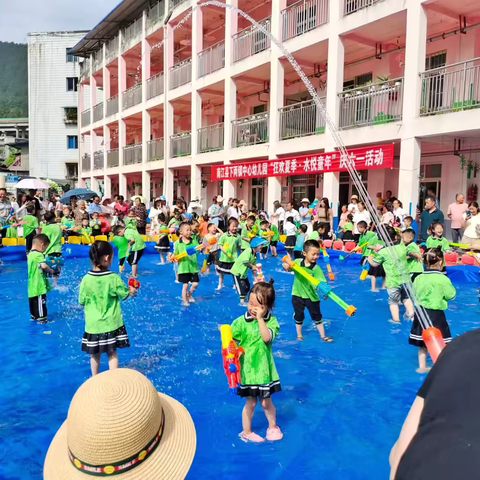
(44, 266)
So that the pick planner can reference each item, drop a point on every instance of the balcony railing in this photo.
(132, 34)
(112, 105)
(181, 144)
(98, 160)
(451, 88)
(98, 112)
(181, 73)
(112, 158)
(303, 16)
(300, 120)
(211, 138)
(86, 162)
(112, 50)
(86, 118)
(251, 41)
(175, 3)
(351, 6)
(155, 85)
(155, 15)
(371, 104)
(211, 59)
(250, 130)
(155, 149)
(132, 96)
(132, 154)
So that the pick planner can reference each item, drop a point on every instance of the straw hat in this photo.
(118, 421)
(219, 198)
(305, 200)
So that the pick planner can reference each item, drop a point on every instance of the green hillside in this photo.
(13, 80)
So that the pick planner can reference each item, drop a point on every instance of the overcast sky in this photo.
(17, 18)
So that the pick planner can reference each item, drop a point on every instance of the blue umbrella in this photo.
(80, 193)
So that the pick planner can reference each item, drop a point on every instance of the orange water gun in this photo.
(326, 259)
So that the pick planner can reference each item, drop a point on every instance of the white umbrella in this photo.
(32, 184)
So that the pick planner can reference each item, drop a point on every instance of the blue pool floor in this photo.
(341, 407)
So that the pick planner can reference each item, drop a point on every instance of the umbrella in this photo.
(80, 193)
(32, 184)
(142, 199)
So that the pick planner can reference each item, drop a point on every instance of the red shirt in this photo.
(122, 208)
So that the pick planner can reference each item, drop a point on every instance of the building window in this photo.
(71, 58)
(70, 114)
(72, 142)
(72, 84)
(72, 171)
(259, 109)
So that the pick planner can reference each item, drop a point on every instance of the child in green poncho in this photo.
(269, 231)
(437, 240)
(228, 244)
(121, 243)
(255, 331)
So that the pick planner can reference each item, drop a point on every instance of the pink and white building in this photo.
(217, 95)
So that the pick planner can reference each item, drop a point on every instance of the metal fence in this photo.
(250, 130)
(451, 88)
(181, 73)
(112, 105)
(251, 41)
(112, 50)
(132, 34)
(98, 112)
(86, 118)
(132, 154)
(132, 96)
(303, 16)
(300, 120)
(155, 85)
(112, 158)
(155, 15)
(181, 144)
(372, 104)
(211, 59)
(175, 3)
(351, 6)
(211, 138)
(98, 160)
(155, 149)
(86, 163)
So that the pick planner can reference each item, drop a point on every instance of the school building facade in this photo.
(205, 105)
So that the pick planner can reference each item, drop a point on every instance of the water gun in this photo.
(14, 225)
(322, 287)
(55, 263)
(133, 282)
(260, 277)
(326, 259)
(434, 342)
(231, 354)
(204, 265)
(227, 250)
(268, 233)
(459, 245)
(167, 230)
(358, 247)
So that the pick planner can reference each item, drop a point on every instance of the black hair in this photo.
(183, 224)
(321, 225)
(350, 217)
(176, 211)
(391, 232)
(473, 204)
(433, 225)
(85, 216)
(410, 231)
(265, 293)
(310, 243)
(251, 217)
(430, 197)
(361, 223)
(210, 224)
(232, 220)
(432, 256)
(161, 217)
(243, 213)
(99, 249)
(409, 218)
(30, 208)
(290, 219)
(264, 223)
(116, 229)
(41, 238)
(49, 217)
(121, 198)
(303, 228)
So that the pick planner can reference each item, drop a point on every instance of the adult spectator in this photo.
(387, 217)
(216, 210)
(455, 214)
(242, 205)
(304, 211)
(58, 207)
(233, 211)
(141, 213)
(398, 211)
(35, 202)
(388, 196)
(47, 205)
(5, 208)
(73, 202)
(325, 215)
(153, 214)
(292, 212)
(471, 224)
(428, 216)
(352, 206)
(95, 207)
(431, 193)
(80, 212)
(278, 216)
(362, 214)
(440, 436)
(121, 207)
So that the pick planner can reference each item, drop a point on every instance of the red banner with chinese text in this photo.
(365, 158)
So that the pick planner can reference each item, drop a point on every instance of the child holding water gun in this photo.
(68, 223)
(228, 244)
(304, 293)
(136, 247)
(100, 293)
(394, 261)
(38, 284)
(86, 230)
(432, 291)
(212, 257)
(131, 220)
(163, 243)
(414, 256)
(54, 250)
(248, 232)
(187, 266)
(373, 241)
(30, 227)
(437, 240)
(121, 243)
(255, 332)
(269, 231)
(247, 260)
(347, 229)
(319, 229)
(298, 249)
(291, 232)
(95, 225)
(176, 220)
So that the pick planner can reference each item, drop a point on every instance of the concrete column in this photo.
(122, 140)
(168, 185)
(196, 119)
(106, 145)
(107, 182)
(277, 79)
(146, 131)
(94, 184)
(146, 185)
(93, 92)
(122, 185)
(122, 81)
(409, 171)
(196, 182)
(230, 189)
(81, 182)
(335, 68)
(81, 102)
(274, 192)
(145, 57)
(93, 146)
(106, 81)
(197, 41)
(415, 53)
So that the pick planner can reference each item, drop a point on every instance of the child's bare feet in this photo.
(219, 287)
(274, 433)
(392, 320)
(375, 290)
(300, 338)
(423, 369)
(185, 303)
(190, 298)
(250, 437)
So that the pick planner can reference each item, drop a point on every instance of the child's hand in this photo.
(286, 267)
(259, 313)
(132, 291)
(254, 269)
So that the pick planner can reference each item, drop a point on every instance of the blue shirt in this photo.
(214, 210)
(299, 243)
(307, 217)
(94, 208)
